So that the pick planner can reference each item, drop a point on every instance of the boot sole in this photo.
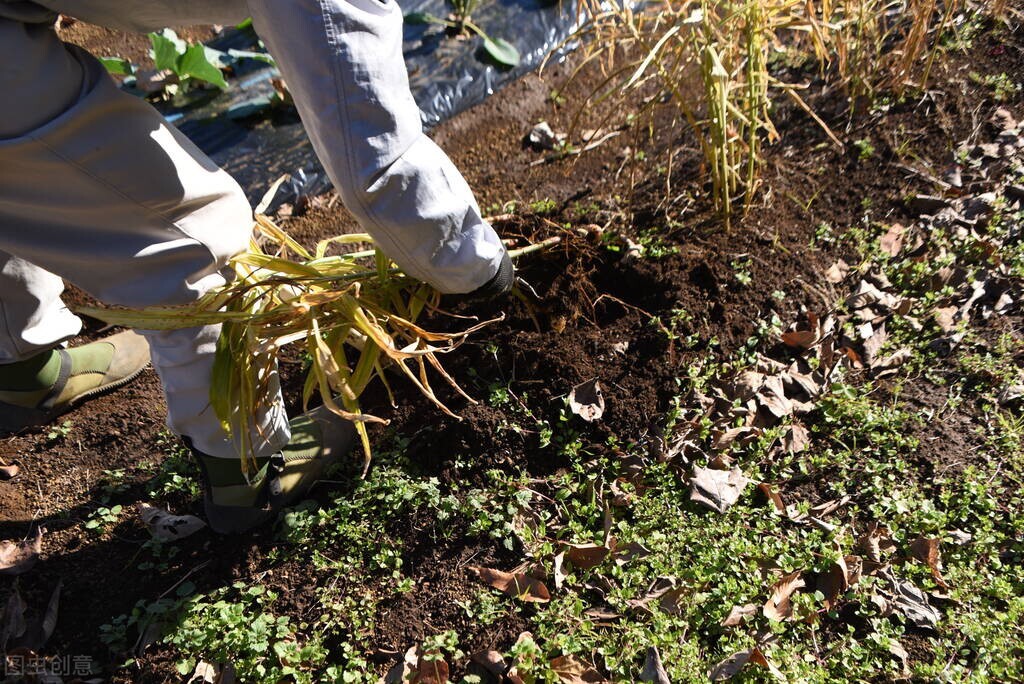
(14, 419)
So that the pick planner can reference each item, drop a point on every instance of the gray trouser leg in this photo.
(342, 60)
(106, 194)
(32, 316)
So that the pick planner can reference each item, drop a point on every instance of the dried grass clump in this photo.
(353, 320)
(712, 61)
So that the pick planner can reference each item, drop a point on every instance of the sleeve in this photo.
(342, 60)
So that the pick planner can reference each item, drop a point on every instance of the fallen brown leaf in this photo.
(492, 661)
(587, 401)
(800, 339)
(671, 601)
(945, 317)
(731, 666)
(9, 472)
(431, 668)
(737, 435)
(779, 607)
(518, 585)
(558, 572)
(834, 582)
(586, 556)
(772, 396)
(717, 489)
(797, 439)
(775, 498)
(572, 671)
(837, 272)
(168, 527)
(14, 623)
(896, 648)
(653, 670)
(18, 557)
(892, 242)
(927, 551)
(875, 541)
(911, 602)
(738, 614)
(208, 673)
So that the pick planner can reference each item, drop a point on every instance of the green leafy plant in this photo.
(190, 63)
(102, 518)
(59, 432)
(460, 23)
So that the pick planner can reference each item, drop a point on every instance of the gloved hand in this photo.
(497, 286)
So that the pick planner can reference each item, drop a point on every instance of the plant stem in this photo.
(536, 247)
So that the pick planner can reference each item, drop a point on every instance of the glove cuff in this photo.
(500, 284)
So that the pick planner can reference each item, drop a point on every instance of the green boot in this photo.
(319, 439)
(37, 390)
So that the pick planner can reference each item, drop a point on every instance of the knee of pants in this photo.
(224, 222)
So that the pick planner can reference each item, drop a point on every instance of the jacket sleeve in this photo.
(342, 60)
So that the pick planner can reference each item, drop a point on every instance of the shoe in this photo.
(319, 439)
(35, 391)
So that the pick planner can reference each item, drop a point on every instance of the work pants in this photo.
(98, 189)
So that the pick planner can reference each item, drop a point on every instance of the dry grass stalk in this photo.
(712, 60)
(353, 320)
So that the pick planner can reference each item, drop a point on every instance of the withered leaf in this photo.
(209, 673)
(738, 614)
(945, 317)
(797, 439)
(866, 295)
(731, 666)
(779, 606)
(874, 344)
(834, 582)
(912, 603)
(166, 526)
(17, 557)
(9, 472)
(875, 541)
(586, 556)
(892, 242)
(737, 435)
(775, 498)
(14, 623)
(772, 396)
(431, 668)
(630, 552)
(896, 648)
(602, 613)
(518, 585)
(759, 658)
(837, 272)
(587, 401)
(558, 572)
(717, 489)
(671, 601)
(653, 670)
(854, 569)
(572, 671)
(492, 661)
(800, 339)
(927, 551)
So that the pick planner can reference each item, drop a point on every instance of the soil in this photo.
(105, 42)
(592, 300)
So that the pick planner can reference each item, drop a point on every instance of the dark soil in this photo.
(593, 298)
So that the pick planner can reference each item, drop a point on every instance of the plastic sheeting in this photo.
(447, 74)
